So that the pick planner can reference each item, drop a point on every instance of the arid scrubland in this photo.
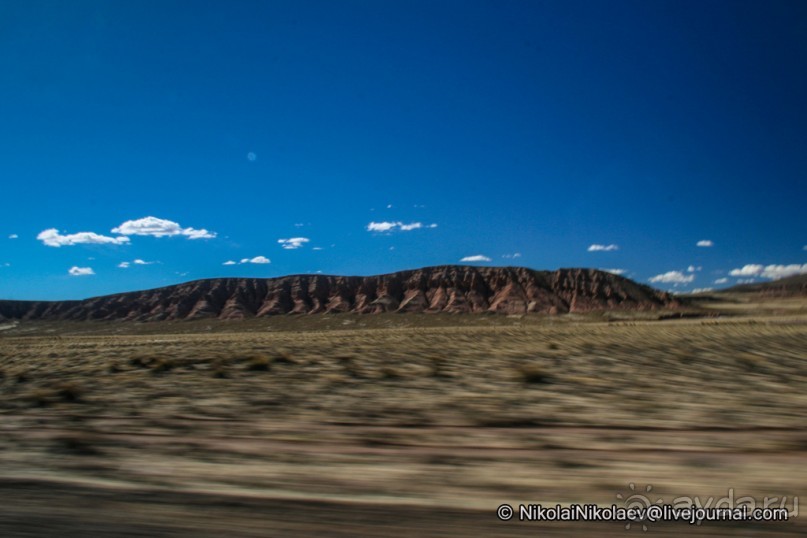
(447, 421)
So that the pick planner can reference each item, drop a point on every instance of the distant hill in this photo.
(785, 287)
(452, 289)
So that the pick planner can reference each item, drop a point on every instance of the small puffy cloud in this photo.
(124, 265)
(317, 248)
(746, 280)
(672, 277)
(615, 271)
(512, 256)
(80, 271)
(701, 290)
(773, 272)
(15, 236)
(52, 238)
(160, 228)
(476, 258)
(692, 268)
(229, 262)
(602, 248)
(382, 226)
(705, 243)
(256, 259)
(398, 225)
(192, 233)
(721, 280)
(293, 243)
(751, 269)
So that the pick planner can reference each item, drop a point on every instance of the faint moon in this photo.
(251, 156)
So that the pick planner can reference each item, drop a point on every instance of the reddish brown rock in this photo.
(452, 289)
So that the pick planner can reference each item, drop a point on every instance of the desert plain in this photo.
(400, 424)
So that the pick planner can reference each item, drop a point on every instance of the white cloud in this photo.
(746, 280)
(391, 226)
(602, 248)
(773, 272)
(80, 271)
(229, 262)
(15, 236)
(256, 259)
(192, 233)
(721, 280)
(138, 261)
(705, 243)
(747, 270)
(52, 238)
(692, 268)
(293, 243)
(476, 258)
(317, 248)
(701, 290)
(160, 228)
(673, 277)
(389, 206)
(615, 271)
(512, 256)
(382, 226)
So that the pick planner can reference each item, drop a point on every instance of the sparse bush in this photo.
(61, 392)
(220, 371)
(284, 357)
(75, 444)
(752, 363)
(69, 392)
(438, 368)
(534, 373)
(259, 363)
(145, 362)
(160, 366)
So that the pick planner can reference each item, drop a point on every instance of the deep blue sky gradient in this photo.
(532, 127)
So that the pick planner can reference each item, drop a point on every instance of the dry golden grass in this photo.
(441, 418)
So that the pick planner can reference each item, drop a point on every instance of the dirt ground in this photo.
(414, 426)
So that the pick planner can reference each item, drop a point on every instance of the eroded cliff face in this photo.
(453, 289)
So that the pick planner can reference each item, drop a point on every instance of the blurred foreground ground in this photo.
(408, 428)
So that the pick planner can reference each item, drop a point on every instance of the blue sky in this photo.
(395, 135)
